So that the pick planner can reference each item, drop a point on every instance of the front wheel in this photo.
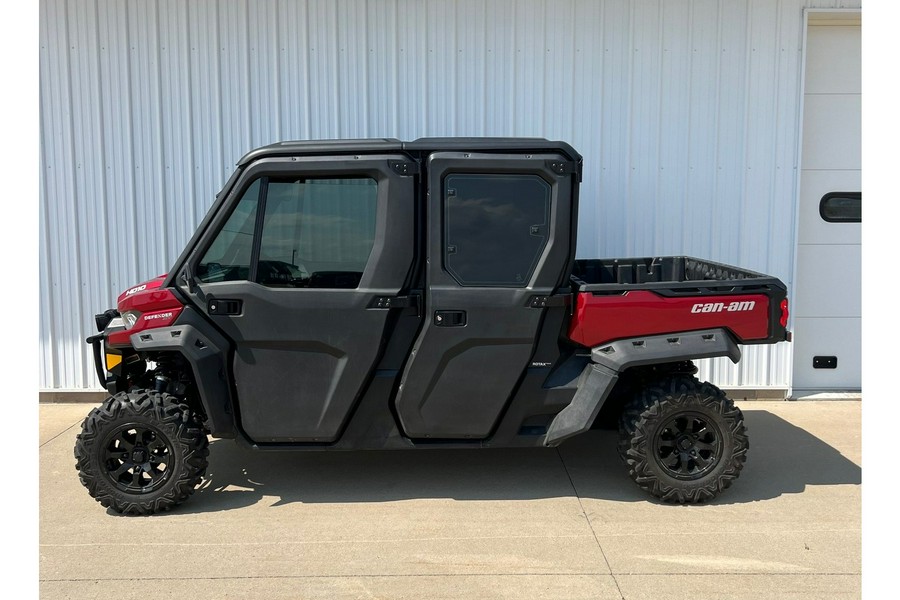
(141, 452)
(683, 440)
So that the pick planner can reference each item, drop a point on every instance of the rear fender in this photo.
(609, 360)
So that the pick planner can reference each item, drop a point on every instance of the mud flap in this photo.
(594, 385)
(598, 378)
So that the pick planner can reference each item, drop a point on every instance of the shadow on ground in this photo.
(783, 459)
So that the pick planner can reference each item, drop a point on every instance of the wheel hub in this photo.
(136, 458)
(688, 446)
(685, 443)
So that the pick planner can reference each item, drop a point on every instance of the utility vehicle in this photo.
(364, 294)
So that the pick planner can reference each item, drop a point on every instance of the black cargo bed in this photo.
(675, 274)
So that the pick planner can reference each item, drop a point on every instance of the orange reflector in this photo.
(112, 360)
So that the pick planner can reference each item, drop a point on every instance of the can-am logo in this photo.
(715, 307)
(137, 289)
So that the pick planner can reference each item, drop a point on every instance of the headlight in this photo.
(103, 319)
(130, 317)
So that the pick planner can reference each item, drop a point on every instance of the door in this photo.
(828, 286)
(500, 236)
(296, 271)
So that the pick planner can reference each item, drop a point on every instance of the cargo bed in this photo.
(633, 297)
(674, 273)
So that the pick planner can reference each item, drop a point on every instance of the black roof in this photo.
(421, 145)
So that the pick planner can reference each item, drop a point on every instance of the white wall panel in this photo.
(839, 145)
(833, 60)
(816, 295)
(687, 114)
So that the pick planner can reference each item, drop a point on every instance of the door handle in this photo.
(222, 306)
(450, 318)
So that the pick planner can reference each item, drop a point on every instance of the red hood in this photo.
(152, 306)
(150, 285)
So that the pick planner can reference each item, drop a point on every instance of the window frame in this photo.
(218, 226)
(445, 227)
(215, 227)
(259, 230)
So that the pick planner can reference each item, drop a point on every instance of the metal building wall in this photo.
(687, 114)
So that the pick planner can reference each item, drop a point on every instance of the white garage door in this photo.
(827, 294)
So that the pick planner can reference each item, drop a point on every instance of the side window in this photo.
(228, 258)
(495, 227)
(317, 232)
(841, 207)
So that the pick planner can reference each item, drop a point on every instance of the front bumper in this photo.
(108, 322)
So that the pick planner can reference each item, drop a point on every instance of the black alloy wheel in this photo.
(682, 440)
(688, 446)
(137, 458)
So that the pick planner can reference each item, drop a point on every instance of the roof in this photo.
(421, 145)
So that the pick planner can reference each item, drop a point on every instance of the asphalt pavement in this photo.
(536, 523)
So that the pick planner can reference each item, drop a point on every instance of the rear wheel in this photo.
(141, 452)
(683, 440)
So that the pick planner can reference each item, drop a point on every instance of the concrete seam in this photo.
(339, 576)
(428, 539)
(410, 575)
(586, 518)
(59, 434)
(312, 542)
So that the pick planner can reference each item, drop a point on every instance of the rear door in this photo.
(500, 228)
(298, 270)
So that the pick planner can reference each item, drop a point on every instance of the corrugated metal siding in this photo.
(687, 114)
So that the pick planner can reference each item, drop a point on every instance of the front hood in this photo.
(145, 306)
(150, 285)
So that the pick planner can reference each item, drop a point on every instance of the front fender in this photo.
(206, 351)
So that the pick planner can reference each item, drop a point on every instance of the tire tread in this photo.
(666, 397)
(174, 418)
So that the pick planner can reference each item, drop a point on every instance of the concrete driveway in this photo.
(536, 523)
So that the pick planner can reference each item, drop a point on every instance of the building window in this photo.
(841, 207)
(495, 227)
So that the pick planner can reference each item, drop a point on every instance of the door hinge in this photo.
(563, 167)
(403, 167)
(545, 301)
(388, 302)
